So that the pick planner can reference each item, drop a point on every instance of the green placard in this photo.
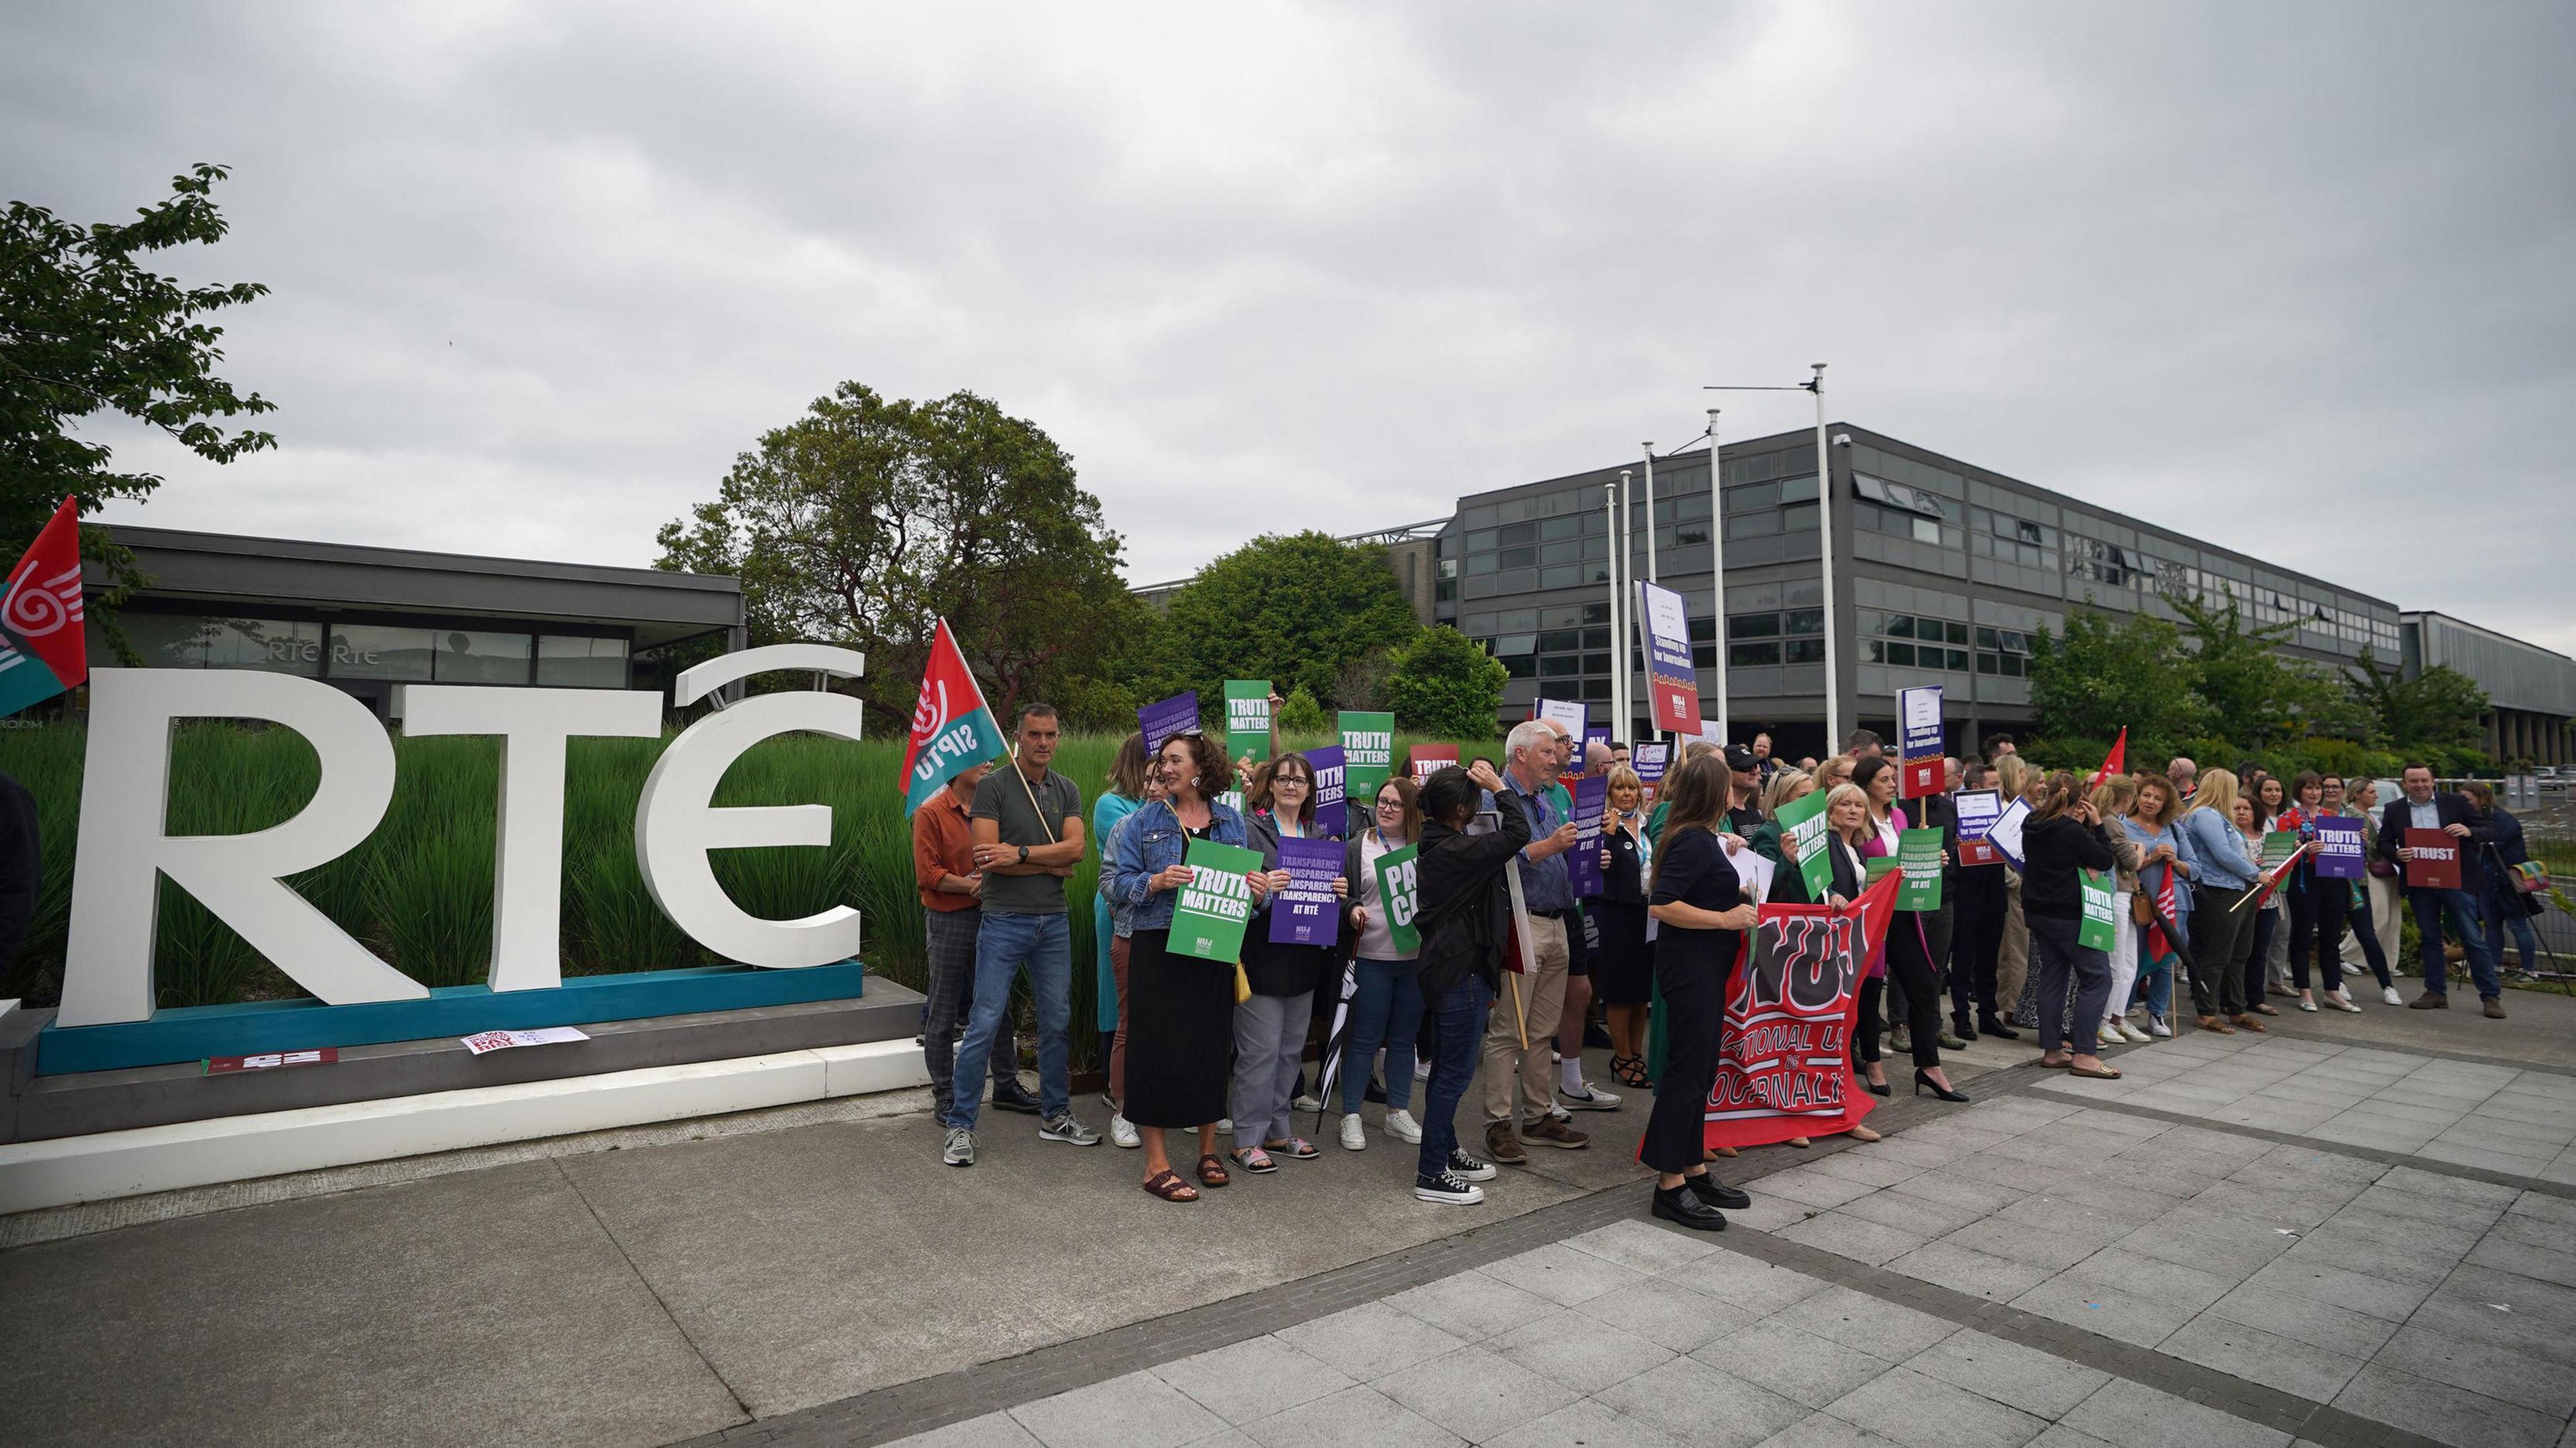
(1368, 754)
(2278, 845)
(2100, 929)
(1209, 916)
(1395, 886)
(1874, 868)
(1802, 825)
(1920, 852)
(1247, 718)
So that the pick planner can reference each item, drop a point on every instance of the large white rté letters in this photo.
(125, 847)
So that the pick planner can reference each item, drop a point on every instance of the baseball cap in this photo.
(1739, 758)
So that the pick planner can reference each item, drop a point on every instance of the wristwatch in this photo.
(1024, 854)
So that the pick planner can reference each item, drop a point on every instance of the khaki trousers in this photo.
(2012, 961)
(1542, 997)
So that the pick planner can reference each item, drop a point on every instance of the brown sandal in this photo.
(1212, 1172)
(1168, 1185)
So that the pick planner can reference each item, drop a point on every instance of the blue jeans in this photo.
(1458, 1026)
(1387, 1012)
(1044, 944)
(2430, 906)
(2503, 913)
(2155, 977)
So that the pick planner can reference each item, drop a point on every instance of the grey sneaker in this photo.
(1070, 1131)
(961, 1147)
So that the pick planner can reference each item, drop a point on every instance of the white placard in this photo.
(2005, 833)
(483, 1042)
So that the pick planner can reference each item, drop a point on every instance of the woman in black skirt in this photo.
(1696, 901)
(1180, 1009)
(1624, 976)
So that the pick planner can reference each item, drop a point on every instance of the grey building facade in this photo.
(370, 620)
(2531, 691)
(1942, 572)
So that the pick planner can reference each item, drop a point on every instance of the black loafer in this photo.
(1717, 1193)
(1684, 1207)
(1017, 1098)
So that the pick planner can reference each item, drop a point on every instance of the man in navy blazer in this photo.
(2425, 808)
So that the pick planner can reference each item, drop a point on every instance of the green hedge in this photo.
(419, 891)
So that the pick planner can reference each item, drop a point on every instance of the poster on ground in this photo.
(1305, 913)
(1331, 815)
(1209, 913)
(1583, 862)
(1398, 889)
(1918, 742)
(1668, 659)
(1247, 719)
(2338, 854)
(1178, 714)
(1918, 852)
(2436, 861)
(1784, 1062)
(1368, 752)
(1802, 828)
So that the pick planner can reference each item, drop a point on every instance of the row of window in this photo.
(376, 651)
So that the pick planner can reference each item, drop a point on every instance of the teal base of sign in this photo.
(194, 1033)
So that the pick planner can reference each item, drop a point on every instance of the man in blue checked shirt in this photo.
(1529, 774)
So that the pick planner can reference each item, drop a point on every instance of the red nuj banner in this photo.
(1784, 1063)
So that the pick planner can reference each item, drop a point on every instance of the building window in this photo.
(1753, 626)
(1741, 655)
(374, 651)
(1803, 651)
(467, 657)
(581, 663)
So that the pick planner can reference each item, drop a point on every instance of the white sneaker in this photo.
(1402, 1126)
(1306, 1103)
(1122, 1132)
(2156, 1026)
(1590, 1098)
(1226, 1127)
(2119, 1029)
(1421, 1068)
(960, 1150)
(2388, 996)
(1354, 1133)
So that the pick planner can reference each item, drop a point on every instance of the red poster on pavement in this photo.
(271, 1061)
(1784, 1062)
(2436, 863)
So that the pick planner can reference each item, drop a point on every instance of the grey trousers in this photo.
(950, 936)
(1269, 1043)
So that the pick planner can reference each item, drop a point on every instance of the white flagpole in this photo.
(1825, 555)
(1717, 567)
(1618, 629)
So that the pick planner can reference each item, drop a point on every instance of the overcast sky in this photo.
(2296, 278)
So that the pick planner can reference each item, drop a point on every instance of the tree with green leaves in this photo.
(2255, 696)
(2440, 708)
(867, 519)
(1444, 684)
(1296, 609)
(86, 327)
(2101, 677)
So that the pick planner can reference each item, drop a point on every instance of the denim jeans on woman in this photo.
(1387, 1012)
(1458, 1022)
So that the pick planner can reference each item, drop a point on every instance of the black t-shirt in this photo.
(1743, 820)
(1691, 868)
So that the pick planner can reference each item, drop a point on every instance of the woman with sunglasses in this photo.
(1386, 1008)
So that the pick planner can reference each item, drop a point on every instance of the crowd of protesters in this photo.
(2198, 922)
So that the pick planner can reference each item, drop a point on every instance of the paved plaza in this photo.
(2255, 1240)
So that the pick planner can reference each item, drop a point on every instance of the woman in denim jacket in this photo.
(2222, 871)
(1180, 1010)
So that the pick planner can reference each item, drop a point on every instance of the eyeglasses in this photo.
(1286, 780)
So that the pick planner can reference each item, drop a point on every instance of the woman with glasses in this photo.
(1386, 1009)
(1270, 1025)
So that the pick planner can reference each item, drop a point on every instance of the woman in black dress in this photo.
(1696, 900)
(1180, 1009)
(1624, 976)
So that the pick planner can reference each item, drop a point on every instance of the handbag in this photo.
(2530, 877)
(2141, 909)
(1242, 984)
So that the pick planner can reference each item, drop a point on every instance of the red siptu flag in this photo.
(43, 649)
(2113, 762)
(953, 730)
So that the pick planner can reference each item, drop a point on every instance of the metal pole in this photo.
(1610, 503)
(1717, 567)
(1627, 624)
(1627, 668)
(1825, 556)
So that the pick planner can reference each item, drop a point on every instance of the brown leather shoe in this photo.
(1501, 1146)
(1548, 1131)
(2495, 1009)
(2429, 1001)
(2248, 1023)
(2215, 1025)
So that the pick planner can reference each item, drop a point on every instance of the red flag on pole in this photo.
(2112, 763)
(43, 646)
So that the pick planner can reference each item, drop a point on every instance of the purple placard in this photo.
(1304, 913)
(2338, 854)
(1330, 817)
(1178, 714)
(1592, 734)
(1583, 862)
